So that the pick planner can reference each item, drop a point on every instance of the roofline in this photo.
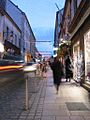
(25, 17)
(66, 2)
(5, 13)
(16, 6)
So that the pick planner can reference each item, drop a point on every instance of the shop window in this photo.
(7, 31)
(71, 9)
(78, 2)
(78, 62)
(87, 55)
(11, 37)
(19, 43)
(16, 40)
(75, 6)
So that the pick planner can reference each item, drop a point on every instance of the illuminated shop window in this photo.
(87, 55)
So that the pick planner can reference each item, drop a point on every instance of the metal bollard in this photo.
(28, 70)
(27, 96)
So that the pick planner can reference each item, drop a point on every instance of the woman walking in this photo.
(68, 69)
(57, 69)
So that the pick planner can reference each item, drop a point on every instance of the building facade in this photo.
(79, 30)
(33, 44)
(10, 35)
(20, 19)
(80, 38)
(57, 32)
(75, 28)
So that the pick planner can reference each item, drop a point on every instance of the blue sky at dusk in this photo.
(41, 16)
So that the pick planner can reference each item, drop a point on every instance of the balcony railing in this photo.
(9, 56)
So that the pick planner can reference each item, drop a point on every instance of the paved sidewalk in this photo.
(72, 102)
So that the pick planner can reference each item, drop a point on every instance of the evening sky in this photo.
(41, 16)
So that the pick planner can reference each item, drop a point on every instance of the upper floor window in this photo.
(7, 32)
(74, 4)
(71, 9)
(19, 43)
(16, 40)
(78, 2)
(11, 37)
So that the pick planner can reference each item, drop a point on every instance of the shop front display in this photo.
(77, 62)
(87, 56)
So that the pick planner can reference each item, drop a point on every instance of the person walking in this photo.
(44, 69)
(57, 69)
(68, 69)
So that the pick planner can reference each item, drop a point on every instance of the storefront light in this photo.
(65, 42)
(55, 55)
(1, 47)
(61, 39)
(55, 48)
(60, 44)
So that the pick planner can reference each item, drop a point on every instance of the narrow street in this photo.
(72, 102)
(51, 37)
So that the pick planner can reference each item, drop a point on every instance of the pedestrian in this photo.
(68, 69)
(57, 69)
(44, 69)
(41, 67)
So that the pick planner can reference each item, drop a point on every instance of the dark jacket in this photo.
(57, 69)
(68, 68)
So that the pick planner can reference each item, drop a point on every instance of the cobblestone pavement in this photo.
(72, 102)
